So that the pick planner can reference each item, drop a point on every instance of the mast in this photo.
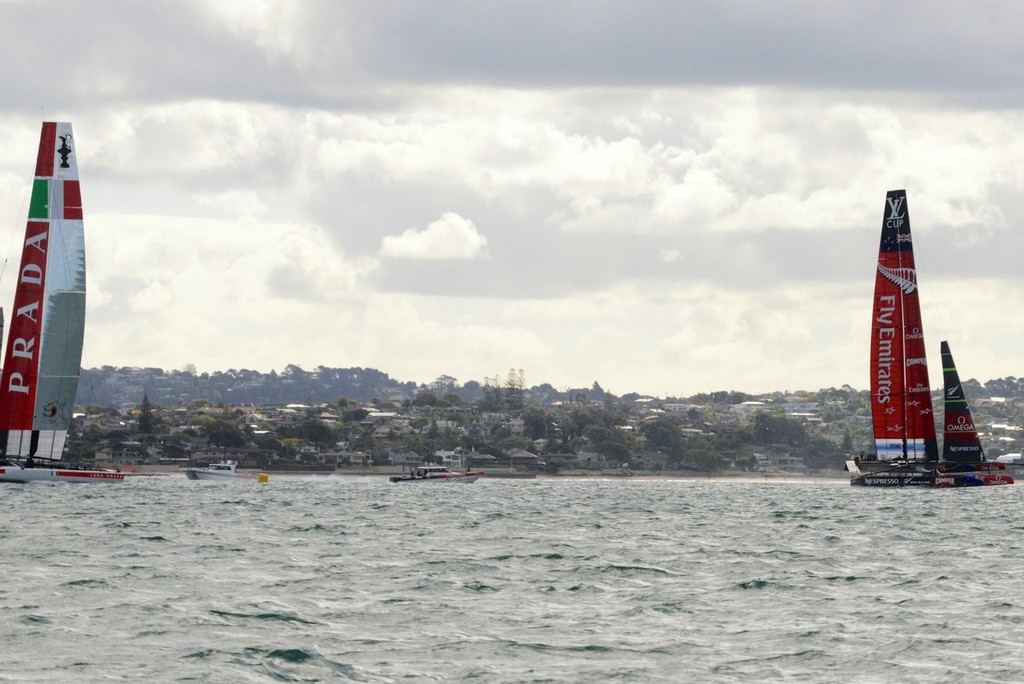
(960, 442)
(901, 404)
(44, 346)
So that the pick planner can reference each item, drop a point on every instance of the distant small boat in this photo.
(225, 470)
(433, 473)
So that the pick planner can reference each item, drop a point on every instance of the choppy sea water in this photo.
(357, 579)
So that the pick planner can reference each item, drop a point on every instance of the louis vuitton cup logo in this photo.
(64, 151)
(895, 218)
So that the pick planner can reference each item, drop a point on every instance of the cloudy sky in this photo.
(665, 197)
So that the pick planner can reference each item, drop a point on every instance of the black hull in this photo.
(893, 480)
(915, 478)
(926, 467)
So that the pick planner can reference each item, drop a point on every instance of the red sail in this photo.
(901, 403)
(18, 388)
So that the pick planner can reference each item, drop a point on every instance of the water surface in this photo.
(347, 578)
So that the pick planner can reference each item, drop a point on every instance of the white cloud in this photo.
(273, 25)
(552, 196)
(235, 202)
(449, 237)
(699, 214)
(670, 256)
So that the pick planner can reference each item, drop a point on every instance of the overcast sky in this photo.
(663, 197)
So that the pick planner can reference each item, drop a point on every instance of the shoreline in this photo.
(383, 471)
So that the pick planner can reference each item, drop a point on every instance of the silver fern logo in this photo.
(903, 278)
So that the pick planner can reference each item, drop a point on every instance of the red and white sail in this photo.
(901, 402)
(47, 324)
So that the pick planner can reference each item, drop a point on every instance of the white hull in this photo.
(203, 474)
(220, 472)
(13, 473)
(448, 478)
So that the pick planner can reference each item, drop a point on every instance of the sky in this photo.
(667, 197)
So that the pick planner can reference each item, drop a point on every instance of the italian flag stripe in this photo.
(47, 148)
(72, 200)
(39, 206)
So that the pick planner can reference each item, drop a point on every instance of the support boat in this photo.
(436, 473)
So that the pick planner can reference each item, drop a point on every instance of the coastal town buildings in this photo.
(402, 425)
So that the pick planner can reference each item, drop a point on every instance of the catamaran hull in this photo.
(907, 479)
(890, 474)
(975, 480)
(893, 480)
(26, 475)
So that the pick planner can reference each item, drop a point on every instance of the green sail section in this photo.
(39, 208)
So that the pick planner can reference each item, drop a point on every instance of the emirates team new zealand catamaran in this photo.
(44, 345)
(906, 447)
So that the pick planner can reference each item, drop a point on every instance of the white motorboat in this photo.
(436, 473)
(225, 470)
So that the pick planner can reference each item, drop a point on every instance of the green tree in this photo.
(147, 422)
(452, 399)
(663, 434)
(426, 397)
(492, 394)
(444, 384)
(515, 388)
(223, 433)
(699, 453)
(770, 428)
(614, 452)
(535, 422)
(313, 430)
